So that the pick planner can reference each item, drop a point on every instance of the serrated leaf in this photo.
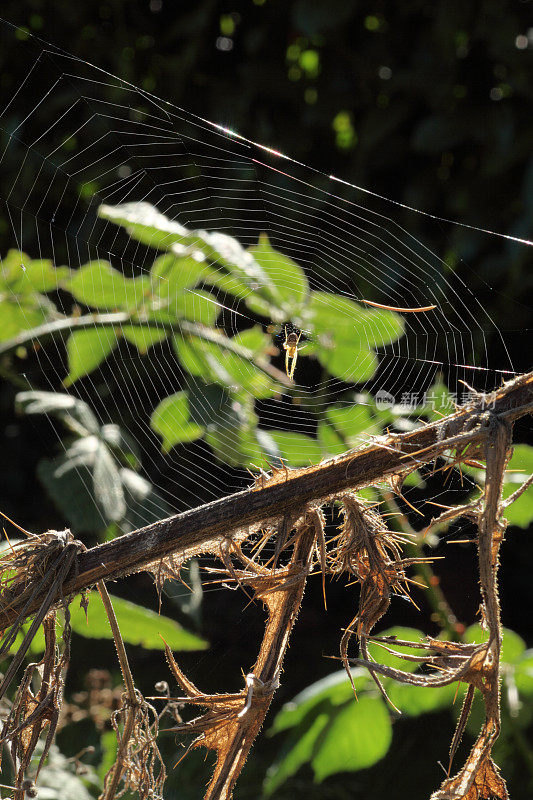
(98, 285)
(337, 318)
(288, 285)
(86, 350)
(171, 421)
(347, 363)
(358, 736)
(146, 224)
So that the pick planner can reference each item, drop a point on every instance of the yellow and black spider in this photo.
(290, 345)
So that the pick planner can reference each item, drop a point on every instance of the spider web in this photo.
(86, 142)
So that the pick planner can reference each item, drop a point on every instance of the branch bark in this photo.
(185, 533)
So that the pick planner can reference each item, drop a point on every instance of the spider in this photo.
(290, 345)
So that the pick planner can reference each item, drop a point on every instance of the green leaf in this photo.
(109, 745)
(24, 275)
(298, 751)
(513, 646)
(294, 449)
(337, 318)
(98, 285)
(347, 363)
(146, 224)
(216, 364)
(23, 313)
(138, 625)
(381, 655)
(358, 736)
(344, 426)
(171, 421)
(171, 274)
(86, 350)
(335, 688)
(143, 336)
(523, 674)
(416, 700)
(345, 335)
(288, 287)
(197, 306)
(520, 513)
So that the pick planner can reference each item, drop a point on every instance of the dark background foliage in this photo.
(427, 103)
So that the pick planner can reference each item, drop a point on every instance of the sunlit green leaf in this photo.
(197, 306)
(288, 285)
(336, 688)
(513, 646)
(382, 656)
(358, 736)
(143, 336)
(210, 362)
(347, 363)
(86, 350)
(171, 274)
(337, 318)
(23, 313)
(523, 674)
(146, 224)
(171, 421)
(138, 625)
(416, 700)
(521, 511)
(23, 275)
(98, 285)
(344, 427)
(295, 449)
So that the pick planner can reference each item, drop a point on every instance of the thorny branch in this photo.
(198, 530)
(285, 507)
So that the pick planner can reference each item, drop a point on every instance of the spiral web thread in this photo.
(82, 138)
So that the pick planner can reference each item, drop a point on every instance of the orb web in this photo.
(106, 180)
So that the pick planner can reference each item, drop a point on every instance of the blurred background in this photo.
(426, 103)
